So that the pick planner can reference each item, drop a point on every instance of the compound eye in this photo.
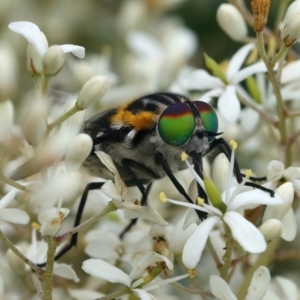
(209, 118)
(176, 124)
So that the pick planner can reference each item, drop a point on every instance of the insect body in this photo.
(161, 124)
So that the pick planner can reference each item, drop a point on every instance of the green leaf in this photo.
(253, 89)
(215, 68)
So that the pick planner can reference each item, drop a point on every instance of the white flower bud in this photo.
(16, 264)
(8, 71)
(271, 229)
(6, 117)
(286, 192)
(35, 126)
(291, 30)
(53, 60)
(275, 170)
(92, 91)
(51, 219)
(34, 58)
(219, 171)
(232, 22)
(78, 151)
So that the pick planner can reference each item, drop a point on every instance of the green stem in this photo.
(37, 283)
(180, 287)
(16, 251)
(47, 277)
(227, 256)
(109, 208)
(277, 92)
(62, 118)
(264, 260)
(13, 183)
(117, 294)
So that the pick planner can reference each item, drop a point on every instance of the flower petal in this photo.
(8, 198)
(245, 233)
(259, 284)
(143, 295)
(251, 199)
(194, 246)
(65, 271)
(101, 269)
(286, 288)
(237, 60)
(78, 51)
(220, 289)
(133, 211)
(31, 33)
(258, 67)
(200, 80)
(289, 226)
(290, 72)
(80, 294)
(228, 105)
(14, 215)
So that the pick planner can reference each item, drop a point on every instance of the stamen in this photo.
(183, 156)
(233, 144)
(200, 201)
(192, 273)
(248, 173)
(35, 225)
(162, 197)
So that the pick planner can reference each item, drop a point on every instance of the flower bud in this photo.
(232, 22)
(291, 30)
(92, 91)
(34, 57)
(35, 127)
(271, 229)
(286, 192)
(219, 171)
(260, 9)
(51, 219)
(53, 60)
(275, 170)
(78, 151)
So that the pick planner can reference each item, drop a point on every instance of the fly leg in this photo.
(90, 186)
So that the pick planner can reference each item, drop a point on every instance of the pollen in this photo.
(192, 273)
(162, 197)
(140, 121)
(233, 144)
(183, 156)
(248, 173)
(200, 201)
(35, 225)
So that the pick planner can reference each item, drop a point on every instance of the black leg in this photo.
(179, 187)
(133, 221)
(239, 176)
(73, 241)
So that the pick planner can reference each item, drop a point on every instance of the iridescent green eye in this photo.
(176, 124)
(208, 116)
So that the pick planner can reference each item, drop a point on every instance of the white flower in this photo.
(12, 215)
(244, 232)
(117, 190)
(228, 104)
(256, 291)
(136, 279)
(51, 219)
(38, 45)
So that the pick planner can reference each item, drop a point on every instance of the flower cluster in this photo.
(220, 245)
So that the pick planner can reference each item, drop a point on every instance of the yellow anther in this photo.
(183, 156)
(192, 273)
(35, 225)
(200, 201)
(162, 197)
(233, 144)
(248, 173)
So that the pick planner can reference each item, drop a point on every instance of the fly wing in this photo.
(96, 127)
